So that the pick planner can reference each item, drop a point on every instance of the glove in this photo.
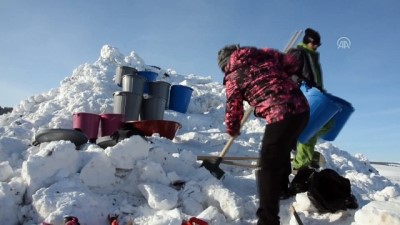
(233, 133)
(308, 84)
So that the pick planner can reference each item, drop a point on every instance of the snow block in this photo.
(76, 199)
(212, 216)
(229, 203)
(54, 161)
(152, 172)
(379, 212)
(192, 198)
(99, 172)
(8, 207)
(5, 171)
(125, 152)
(160, 197)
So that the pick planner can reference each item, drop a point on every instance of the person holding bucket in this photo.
(309, 74)
(261, 77)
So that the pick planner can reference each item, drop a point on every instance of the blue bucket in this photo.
(179, 98)
(150, 77)
(322, 109)
(339, 118)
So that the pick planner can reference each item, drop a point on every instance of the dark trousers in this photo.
(274, 164)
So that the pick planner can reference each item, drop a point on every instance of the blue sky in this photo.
(43, 41)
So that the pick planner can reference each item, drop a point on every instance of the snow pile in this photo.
(154, 180)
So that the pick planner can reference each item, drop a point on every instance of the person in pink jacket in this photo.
(262, 77)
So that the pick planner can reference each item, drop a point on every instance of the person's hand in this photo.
(321, 89)
(233, 133)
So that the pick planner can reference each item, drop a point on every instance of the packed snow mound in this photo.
(153, 180)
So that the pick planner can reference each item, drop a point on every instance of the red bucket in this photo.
(194, 221)
(88, 123)
(110, 123)
(165, 128)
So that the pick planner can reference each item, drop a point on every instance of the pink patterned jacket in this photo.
(261, 77)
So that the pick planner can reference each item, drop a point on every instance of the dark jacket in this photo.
(260, 77)
(310, 69)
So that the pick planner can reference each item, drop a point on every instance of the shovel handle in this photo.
(232, 163)
(296, 215)
(231, 139)
(213, 157)
(292, 40)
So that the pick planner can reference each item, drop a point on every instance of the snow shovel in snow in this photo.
(213, 166)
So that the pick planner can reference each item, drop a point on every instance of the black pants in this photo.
(274, 164)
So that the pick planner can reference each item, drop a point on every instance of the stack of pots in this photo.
(129, 100)
(143, 101)
(139, 96)
(145, 98)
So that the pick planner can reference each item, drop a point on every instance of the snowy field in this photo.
(391, 171)
(156, 181)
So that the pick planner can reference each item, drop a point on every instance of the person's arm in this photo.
(292, 63)
(234, 108)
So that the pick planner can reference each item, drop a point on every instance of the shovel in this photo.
(213, 165)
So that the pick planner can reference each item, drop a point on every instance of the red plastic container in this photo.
(194, 221)
(165, 128)
(88, 123)
(110, 122)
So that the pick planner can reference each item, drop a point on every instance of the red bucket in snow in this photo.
(194, 221)
(165, 128)
(111, 122)
(88, 123)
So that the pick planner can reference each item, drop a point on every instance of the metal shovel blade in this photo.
(213, 167)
